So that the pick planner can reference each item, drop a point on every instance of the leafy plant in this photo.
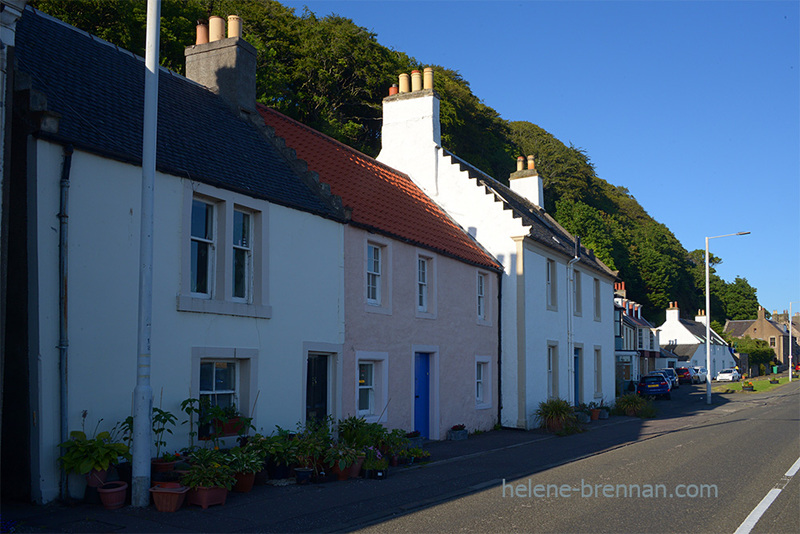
(631, 404)
(212, 475)
(396, 442)
(458, 427)
(418, 454)
(162, 419)
(555, 413)
(374, 459)
(83, 454)
(355, 431)
(245, 460)
(340, 454)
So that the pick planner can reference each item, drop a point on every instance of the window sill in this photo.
(377, 308)
(482, 406)
(223, 307)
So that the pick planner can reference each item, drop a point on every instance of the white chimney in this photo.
(411, 133)
(701, 317)
(528, 183)
(673, 314)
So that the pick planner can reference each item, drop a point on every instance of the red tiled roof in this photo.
(382, 198)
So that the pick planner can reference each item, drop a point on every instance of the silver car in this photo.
(672, 375)
(702, 374)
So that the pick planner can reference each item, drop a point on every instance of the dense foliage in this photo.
(331, 74)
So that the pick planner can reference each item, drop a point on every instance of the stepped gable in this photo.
(382, 199)
(544, 229)
(98, 91)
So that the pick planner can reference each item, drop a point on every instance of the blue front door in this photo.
(576, 369)
(422, 393)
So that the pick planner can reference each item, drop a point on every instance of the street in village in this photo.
(709, 467)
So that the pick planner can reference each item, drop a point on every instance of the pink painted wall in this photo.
(396, 329)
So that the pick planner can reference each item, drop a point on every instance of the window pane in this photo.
(365, 374)
(206, 377)
(239, 273)
(225, 376)
(241, 229)
(364, 399)
(201, 219)
(199, 259)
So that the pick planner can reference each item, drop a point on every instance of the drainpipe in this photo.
(500, 347)
(570, 343)
(63, 337)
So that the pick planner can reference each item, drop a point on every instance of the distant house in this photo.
(773, 332)
(557, 297)
(421, 297)
(248, 279)
(636, 341)
(687, 339)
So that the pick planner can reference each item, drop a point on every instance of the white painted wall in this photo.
(306, 287)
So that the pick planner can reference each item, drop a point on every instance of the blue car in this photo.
(654, 385)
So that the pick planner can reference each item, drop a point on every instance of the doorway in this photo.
(422, 396)
(317, 387)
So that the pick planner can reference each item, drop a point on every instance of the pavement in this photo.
(457, 468)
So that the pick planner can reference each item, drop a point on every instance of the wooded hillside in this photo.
(332, 74)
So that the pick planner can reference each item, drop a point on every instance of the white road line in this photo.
(751, 520)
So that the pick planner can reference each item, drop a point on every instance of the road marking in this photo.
(751, 520)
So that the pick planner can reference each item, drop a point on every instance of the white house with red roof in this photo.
(557, 297)
(421, 299)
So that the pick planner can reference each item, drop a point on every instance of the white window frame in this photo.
(422, 284)
(577, 293)
(374, 271)
(552, 369)
(247, 248)
(219, 299)
(380, 386)
(596, 290)
(210, 241)
(366, 387)
(551, 284)
(598, 372)
(481, 290)
(483, 383)
(382, 301)
(428, 289)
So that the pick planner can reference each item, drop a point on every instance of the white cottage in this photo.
(557, 297)
(238, 307)
(687, 339)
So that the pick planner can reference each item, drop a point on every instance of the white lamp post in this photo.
(708, 320)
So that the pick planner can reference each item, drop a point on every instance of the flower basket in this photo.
(168, 499)
(205, 497)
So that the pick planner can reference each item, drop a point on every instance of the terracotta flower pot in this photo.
(205, 497)
(159, 466)
(95, 478)
(244, 482)
(595, 415)
(355, 469)
(112, 494)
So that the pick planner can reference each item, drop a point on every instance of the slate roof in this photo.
(543, 228)
(98, 89)
(737, 328)
(382, 199)
(699, 331)
(683, 352)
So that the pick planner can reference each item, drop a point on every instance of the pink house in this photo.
(421, 301)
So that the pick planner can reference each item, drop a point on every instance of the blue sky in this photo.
(692, 106)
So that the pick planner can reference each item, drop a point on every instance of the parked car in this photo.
(665, 375)
(654, 384)
(672, 375)
(687, 375)
(702, 374)
(728, 375)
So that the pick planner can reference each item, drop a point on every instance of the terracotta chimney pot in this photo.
(405, 85)
(234, 26)
(393, 89)
(531, 166)
(428, 78)
(202, 33)
(216, 28)
(416, 81)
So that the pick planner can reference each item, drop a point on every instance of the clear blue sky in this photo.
(692, 106)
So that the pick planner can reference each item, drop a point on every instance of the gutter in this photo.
(500, 347)
(63, 301)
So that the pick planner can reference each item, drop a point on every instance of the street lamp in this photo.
(790, 340)
(708, 320)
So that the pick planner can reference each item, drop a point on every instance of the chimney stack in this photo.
(225, 66)
(673, 313)
(528, 183)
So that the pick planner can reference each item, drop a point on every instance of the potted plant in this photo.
(630, 404)
(244, 462)
(555, 414)
(396, 445)
(112, 494)
(281, 450)
(582, 413)
(604, 410)
(92, 456)
(260, 446)
(310, 448)
(162, 420)
(748, 386)
(340, 456)
(209, 478)
(594, 411)
(418, 455)
(375, 464)
(415, 439)
(457, 433)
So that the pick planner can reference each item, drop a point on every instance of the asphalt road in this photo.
(707, 470)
